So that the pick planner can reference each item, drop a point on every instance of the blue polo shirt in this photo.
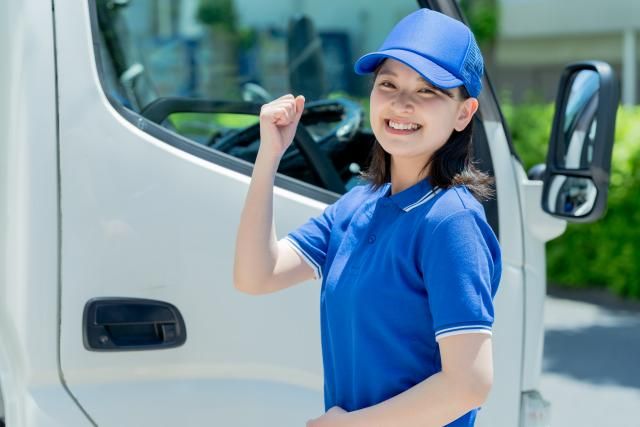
(399, 272)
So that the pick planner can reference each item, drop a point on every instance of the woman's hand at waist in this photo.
(334, 417)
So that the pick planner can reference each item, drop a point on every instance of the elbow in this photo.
(249, 281)
(248, 286)
(243, 285)
(479, 387)
(241, 282)
(473, 388)
(245, 289)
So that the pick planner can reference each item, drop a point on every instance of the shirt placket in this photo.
(370, 236)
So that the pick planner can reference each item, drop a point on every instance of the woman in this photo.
(408, 263)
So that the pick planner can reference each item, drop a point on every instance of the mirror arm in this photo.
(536, 173)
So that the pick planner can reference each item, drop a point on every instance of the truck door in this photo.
(156, 141)
(152, 330)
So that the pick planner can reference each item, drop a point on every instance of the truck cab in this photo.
(129, 131)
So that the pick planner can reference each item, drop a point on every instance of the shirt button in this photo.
(372, 238)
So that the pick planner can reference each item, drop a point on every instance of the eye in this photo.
(386, 83)
(427, 90)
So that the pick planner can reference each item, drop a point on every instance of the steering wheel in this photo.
(348, 115)
(348, 112)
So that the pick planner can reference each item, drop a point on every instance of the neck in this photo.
(405, 172)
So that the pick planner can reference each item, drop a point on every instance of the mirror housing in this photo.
(578, 166)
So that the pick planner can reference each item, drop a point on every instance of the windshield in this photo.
(203, 68)
(241, 50)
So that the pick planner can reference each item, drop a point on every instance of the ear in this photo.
(466, 111)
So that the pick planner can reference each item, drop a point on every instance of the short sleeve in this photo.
(311, 239)
(462, 268)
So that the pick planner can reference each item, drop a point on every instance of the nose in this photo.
(403, 102)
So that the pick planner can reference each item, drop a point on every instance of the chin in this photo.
(398, 148)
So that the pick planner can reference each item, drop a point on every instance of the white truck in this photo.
(119, 212)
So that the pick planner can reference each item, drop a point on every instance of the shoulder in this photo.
(455, 232)
(456, 200)
(458, 214)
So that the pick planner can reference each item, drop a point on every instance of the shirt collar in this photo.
(412, 197)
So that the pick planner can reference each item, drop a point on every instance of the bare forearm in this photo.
(256, 246)
(436, 401)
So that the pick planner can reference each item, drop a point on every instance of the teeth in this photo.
(403, 126)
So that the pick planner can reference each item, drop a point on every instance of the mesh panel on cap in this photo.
(472, 69)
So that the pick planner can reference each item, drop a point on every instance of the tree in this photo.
(483, 16)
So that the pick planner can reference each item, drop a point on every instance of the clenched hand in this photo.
(278, 122)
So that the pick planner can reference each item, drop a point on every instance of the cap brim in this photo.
(432, 72)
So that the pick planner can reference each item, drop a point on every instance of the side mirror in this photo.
(576, 178)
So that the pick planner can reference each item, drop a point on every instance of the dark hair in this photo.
(451, 164)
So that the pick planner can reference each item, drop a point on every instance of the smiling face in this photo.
(412, 118)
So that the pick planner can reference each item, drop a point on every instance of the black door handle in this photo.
(118, 324)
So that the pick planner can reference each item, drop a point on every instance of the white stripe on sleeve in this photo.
(472, 330)
(305, 256)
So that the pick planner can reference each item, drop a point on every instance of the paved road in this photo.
(591, 371)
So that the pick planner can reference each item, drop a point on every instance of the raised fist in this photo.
(278, 122)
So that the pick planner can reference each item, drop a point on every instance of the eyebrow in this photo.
(419, 78)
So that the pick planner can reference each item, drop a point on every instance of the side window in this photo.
(202, 69)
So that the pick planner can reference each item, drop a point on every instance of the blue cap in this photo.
(441, 49)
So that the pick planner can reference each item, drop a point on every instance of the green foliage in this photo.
(605, 253)
(483, 17)
(203, 125)
(530, 126)
(220, 13)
